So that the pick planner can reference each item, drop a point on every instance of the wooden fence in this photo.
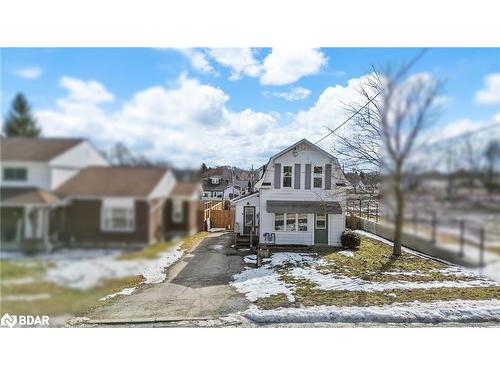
(218, 216)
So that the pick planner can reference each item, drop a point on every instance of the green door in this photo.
(248, 219)
(321, 229)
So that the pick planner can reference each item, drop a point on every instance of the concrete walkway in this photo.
(196, 288)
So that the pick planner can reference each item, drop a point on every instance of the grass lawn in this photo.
(373, 265)
(22, 284)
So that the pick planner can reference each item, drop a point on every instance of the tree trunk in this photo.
(398, 220)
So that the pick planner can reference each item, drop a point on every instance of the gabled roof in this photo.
(186, 188)
(35, 149)
(28, 195)
(113, 182)
(327, 154)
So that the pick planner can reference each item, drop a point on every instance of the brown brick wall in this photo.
(189, 221)
(83, 219)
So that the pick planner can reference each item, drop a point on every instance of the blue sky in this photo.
(235, 106)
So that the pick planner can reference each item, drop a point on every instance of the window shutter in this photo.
(328, 177)
(277, 175)
(297, 176)
(307, 184)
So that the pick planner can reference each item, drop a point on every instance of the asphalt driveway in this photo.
(197, 287)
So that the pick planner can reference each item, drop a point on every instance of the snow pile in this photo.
(415, 312)
(90, 269)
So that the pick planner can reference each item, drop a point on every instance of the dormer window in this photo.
(318, 177)
(215, 180)
(287, 176)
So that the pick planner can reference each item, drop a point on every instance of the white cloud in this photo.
(31, 73)
(490, 94)
(283, 66)
(296, 93)
(189, 122)
(86, 91)
(198, 59)
(241, 61)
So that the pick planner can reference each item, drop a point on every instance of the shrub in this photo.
(350, 239)
(352, 222)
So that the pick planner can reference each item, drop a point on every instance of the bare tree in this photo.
(385, 130)
(121, 155)
(492, 156)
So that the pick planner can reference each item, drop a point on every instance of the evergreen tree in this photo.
(19, 121)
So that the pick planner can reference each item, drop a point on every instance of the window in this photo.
(291, 222)
(302, 222)
(279, 221)
(294, 222)
(118, 219)
(15, 174)
(318, 177)
(216, 194)
(320, 221)
(287, 176)
(215, 180)
(206, 194)
(177, 214)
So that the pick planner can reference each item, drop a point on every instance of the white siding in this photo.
(304, 155)
(70, 162)
(238, 213)
(38, 174)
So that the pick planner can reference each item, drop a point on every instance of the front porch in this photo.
(29, 220)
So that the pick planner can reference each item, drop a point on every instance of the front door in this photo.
(248, 219)
(321, 229)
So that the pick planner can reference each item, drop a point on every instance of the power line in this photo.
(403, 71)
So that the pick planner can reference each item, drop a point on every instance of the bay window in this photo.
(290, 222)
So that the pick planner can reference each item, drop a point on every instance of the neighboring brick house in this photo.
(182, 207)
(116, 205)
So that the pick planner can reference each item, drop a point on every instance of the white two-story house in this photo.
(31, 170)
(299, 199)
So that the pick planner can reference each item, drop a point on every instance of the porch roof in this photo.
(304, 207)
(29, 195)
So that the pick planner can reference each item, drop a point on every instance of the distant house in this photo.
(214, 187)
(32, 169)
(299, 199)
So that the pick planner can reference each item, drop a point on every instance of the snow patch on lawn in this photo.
(347, 253)
(261, 282)
(89, 269)
(26, 297)
(20, 281)
(336, 282)
(124, 292)
(415, 312)
(265, 281)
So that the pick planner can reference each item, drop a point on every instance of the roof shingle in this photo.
(35, 149)
(113, 182)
